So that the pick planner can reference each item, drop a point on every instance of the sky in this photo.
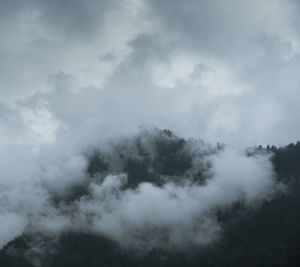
(218, 70)
(76, 74)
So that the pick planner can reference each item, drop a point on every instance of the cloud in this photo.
(76, 75)
(12, 225)
(40, 38)
(175, 215)
(202, 58)
(39, 197)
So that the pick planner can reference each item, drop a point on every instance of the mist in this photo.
(90, 94)
(63, 187)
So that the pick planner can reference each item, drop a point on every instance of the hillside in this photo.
(261, 234)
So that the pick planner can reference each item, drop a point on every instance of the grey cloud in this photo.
(43, 37)
(129, 216)
(108, 57)
(220, 28)
(221, 70)
(71, 19)
(248, 58)
(75, 19)
(125, 215)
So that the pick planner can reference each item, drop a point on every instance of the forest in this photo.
(265, 235)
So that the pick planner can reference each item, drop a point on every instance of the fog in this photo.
(39, 197)
(79, 77)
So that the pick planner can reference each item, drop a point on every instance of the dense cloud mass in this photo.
(152, 190)
(77, 78)
(220, 70)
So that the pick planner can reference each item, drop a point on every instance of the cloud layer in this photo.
(223, 71)
(169, 209)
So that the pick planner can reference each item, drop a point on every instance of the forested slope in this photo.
(267, 234)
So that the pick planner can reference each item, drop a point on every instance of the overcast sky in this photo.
(218, 70)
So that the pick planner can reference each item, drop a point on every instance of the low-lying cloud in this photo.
(169, 209)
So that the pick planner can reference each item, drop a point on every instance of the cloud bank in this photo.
(161, 204)
(206, 69)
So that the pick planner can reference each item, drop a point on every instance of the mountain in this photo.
(263, 233)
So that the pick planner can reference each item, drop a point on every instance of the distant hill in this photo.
(264, 236)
